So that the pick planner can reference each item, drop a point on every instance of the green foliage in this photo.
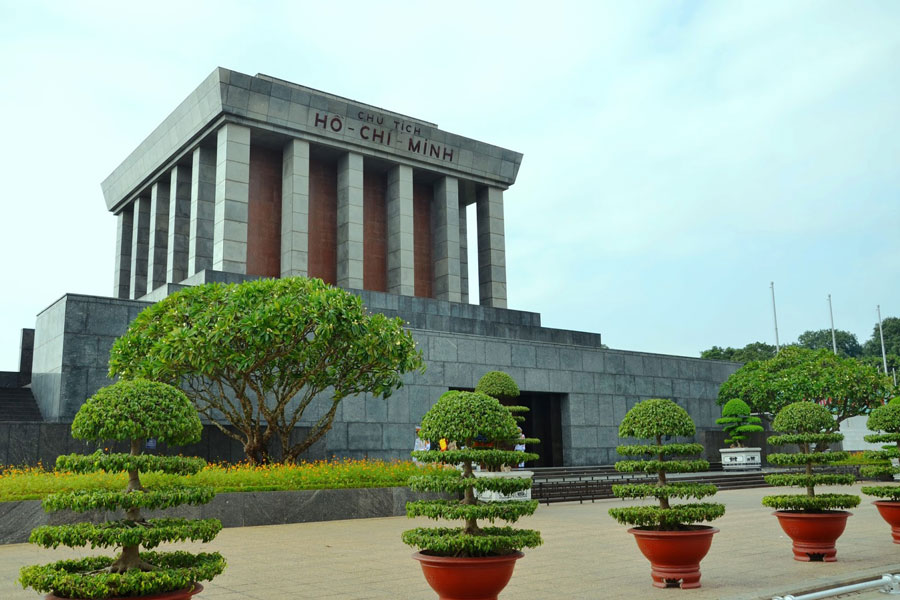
(673, 518)
(877, 438)
(805, 424)
(509, 510)
(498, 384)
(804, 480)
(750, 352)
(467, 417)
(654, 418)
(84, 500)
(258, 353)
(820, 339)
(670, 490)
(136, 410)
(891, 328)
(662, 466)
(456, 484)
(149, 534)
(118, 462)
(803, 417)
(847, 386)
(474, 421)
(885, 418)
(807, 458)
(74, 578)
(811, 504)
(656, 450)
(489, 541)
(738, 422)
(890, 492)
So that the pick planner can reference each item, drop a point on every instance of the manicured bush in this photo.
(134, 411)
(737, 422)
(655, 419)
(467, 418)
(499, 385)
(886, 421)
(810, 426)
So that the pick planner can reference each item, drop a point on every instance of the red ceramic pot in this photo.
(890, 512)
(675, 555)
(481, 578)
(184, 594)
(813, 534)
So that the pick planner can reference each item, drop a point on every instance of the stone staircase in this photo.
(18, 404)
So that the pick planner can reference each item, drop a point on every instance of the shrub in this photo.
(129, 410)
(886, 420)
(499, 385)
(466, 418)
(655, 419)
(737, 422)
(806, 424)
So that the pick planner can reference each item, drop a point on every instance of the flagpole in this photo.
(775, 318)
(881, 333)
(831, 314)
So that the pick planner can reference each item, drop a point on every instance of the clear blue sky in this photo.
(679, 156)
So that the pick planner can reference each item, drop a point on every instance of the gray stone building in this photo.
(252, 176)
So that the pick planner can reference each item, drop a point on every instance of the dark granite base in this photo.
(234, 509)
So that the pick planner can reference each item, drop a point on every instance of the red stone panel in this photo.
(264, 213)
(374, 231)
(424, 269)
(323, 220)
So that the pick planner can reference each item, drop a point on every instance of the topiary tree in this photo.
(134, 411)
(737, 422)
(503, 387)
(262, 355)
(805, 424)
(655, 419)
(845, 385)
(886, 421)
(464, 417)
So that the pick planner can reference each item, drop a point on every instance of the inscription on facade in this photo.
(395, 133)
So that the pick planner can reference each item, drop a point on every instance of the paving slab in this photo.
(586, 555)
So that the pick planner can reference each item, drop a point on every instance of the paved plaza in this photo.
(586, 555)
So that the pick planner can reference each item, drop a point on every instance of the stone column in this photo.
(179, 224)
(445, 239)
(400, 259)
(295, 209)
(203, 209)
(491, 248)
(232, 199)
(125, 218)
(463, 255)
(140, 241)
(350, 221)
(159, 234)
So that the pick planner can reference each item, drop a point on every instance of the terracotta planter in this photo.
(480, 578)
(890, 512)
(813, 534)
(184, 594)
(674, 555)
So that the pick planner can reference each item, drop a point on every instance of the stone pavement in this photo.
(586, 555)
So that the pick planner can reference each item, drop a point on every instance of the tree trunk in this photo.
(471, 527)
(130, 557)
(661, 480)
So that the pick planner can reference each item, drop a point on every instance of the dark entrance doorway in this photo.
(542, 421)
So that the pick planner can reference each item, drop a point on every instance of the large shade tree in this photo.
(846, 342)
(263, 355)
(891, 328)
(845, 386)
(752, 351)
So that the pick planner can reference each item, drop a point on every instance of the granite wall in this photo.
(460, 342)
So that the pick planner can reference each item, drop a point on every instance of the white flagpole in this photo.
(775, 318)
(831, 314)
(881, 333)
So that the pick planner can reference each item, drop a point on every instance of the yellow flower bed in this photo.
(33, 483)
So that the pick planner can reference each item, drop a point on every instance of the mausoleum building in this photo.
(253, 176)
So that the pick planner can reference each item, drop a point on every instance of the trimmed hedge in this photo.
(885, 422)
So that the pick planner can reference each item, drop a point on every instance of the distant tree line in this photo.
(847, 346)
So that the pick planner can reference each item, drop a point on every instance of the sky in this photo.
(678, 156)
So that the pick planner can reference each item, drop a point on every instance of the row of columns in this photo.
(196, 218)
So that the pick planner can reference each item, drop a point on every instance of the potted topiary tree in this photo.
(738, 423)
(134, 411)
(813, 521)
(471, 561)
(666, 534)
(886, 421)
